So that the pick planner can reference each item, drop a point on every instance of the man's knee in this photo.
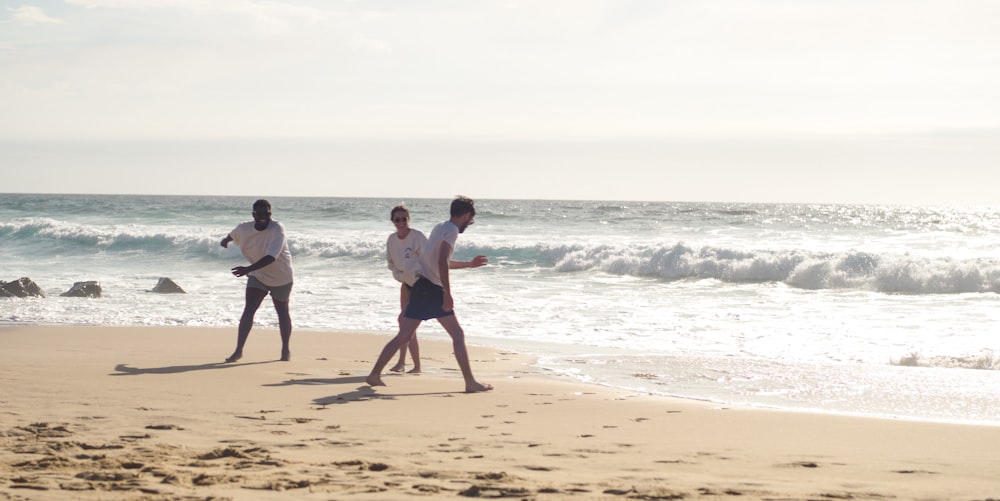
(456, 333)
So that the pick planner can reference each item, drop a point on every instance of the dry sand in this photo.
(151, 413)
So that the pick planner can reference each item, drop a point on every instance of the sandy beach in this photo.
(152, 413)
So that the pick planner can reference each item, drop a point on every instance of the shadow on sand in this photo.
(125, 370)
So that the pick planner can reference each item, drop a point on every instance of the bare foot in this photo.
(415, 370)
(397, 368)
(234, 357)
(477, 387)
(374, 380)
(286, 355)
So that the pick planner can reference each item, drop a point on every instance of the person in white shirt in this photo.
(431, 294)
(402, 251)
(262, 241)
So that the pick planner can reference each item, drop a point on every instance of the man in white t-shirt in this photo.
(262, 241)
(431, 294)
(402, 251)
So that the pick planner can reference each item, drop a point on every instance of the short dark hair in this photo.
(262, 204)
(462, 205)
(398, 208)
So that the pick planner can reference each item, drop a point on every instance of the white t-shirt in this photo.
(270, 242)
(402, 255)
(443, 232)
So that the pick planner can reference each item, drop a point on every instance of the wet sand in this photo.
(152, 413)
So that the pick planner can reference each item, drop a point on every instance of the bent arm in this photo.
(225, 241)
(443, 264)
(243, 270)
(397, 271)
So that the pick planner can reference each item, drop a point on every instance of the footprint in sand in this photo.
(800, 464)
(361, 465)
(538, 468)
(253, 418)
(163, 427)
(489, 491)
(133, 438)
(45, 430)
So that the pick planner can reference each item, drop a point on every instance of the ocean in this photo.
(887, 311)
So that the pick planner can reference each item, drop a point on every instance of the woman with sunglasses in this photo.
(402, 251)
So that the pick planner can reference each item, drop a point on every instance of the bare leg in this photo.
(415, 354)
(406, 329)
(401, 364)
(284, 327)
(450, 324)
(253, 299)
(404, 299)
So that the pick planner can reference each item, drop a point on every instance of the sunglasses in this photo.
(399, 219)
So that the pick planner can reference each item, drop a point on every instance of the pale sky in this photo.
(855, 101)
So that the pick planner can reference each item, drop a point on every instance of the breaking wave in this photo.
(799, 268)
(897, 274)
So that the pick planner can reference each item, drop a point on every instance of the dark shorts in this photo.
(426, 299)
(279, 293)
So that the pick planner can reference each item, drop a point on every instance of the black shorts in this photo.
(426, 299)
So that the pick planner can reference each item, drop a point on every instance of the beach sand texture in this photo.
(151, 413)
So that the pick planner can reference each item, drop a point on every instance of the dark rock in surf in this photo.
(167, 286)
(84, 289)
(22, 287)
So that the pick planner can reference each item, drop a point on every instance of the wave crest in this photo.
(799, 268)
(897, 274)
(980, 361)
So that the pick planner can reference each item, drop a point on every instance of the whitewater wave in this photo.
(986, 360)
(900, 274)
(40, 237)
(800, 268)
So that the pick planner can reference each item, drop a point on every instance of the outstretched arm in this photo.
(476, 262)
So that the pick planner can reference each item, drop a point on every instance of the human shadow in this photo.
(360, 394)
(125, 370)
(363, 393)
(319, 381)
